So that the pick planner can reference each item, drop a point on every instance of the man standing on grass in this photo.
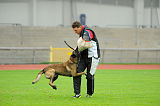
(89, 50)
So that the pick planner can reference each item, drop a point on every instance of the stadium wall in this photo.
(122, 39)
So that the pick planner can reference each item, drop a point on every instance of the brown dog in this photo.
(67, 68)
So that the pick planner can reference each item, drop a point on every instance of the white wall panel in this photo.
(49, 13)
(106, 15)
(147, 17)
(101, 13)
(15, 12)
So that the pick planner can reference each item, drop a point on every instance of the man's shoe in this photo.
(88, 96)
(77, 96)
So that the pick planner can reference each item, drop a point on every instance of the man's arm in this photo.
(85, 42)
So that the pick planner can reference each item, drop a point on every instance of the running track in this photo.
(101, 66)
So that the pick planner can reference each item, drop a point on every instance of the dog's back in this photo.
(60, 69)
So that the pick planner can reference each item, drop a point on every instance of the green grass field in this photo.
(112, 88)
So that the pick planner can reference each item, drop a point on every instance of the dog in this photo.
(67, 68)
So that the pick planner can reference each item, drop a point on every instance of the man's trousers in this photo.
(90, 64)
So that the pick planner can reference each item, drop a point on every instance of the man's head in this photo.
(77, 27)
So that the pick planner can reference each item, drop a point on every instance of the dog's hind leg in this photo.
(38, 77)
(55, 77)
(52, 75)
(51, 83)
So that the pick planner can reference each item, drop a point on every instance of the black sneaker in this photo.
(77, 96)
(88, 96)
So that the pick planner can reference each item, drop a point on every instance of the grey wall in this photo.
(109, 38)
(23, 36)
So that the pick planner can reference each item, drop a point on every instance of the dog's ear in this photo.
(76, 50)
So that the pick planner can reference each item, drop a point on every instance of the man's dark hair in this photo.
(76, 24)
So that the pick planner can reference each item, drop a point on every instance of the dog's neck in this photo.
(70, 60)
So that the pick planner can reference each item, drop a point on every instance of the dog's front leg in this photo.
(78, 74)
(74, 73)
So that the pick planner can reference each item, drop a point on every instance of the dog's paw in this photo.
(54, 87)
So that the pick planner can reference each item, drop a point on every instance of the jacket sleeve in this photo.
(84, 42)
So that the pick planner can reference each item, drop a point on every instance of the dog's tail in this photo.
(38, 77)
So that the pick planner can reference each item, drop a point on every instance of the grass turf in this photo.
(112, 88)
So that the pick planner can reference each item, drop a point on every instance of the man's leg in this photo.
(90, 84)
(77, 79)
(77, 84)
(91, 69)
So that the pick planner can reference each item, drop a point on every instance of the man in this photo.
(89, 51)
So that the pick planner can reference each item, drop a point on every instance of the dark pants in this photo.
(82, 65)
